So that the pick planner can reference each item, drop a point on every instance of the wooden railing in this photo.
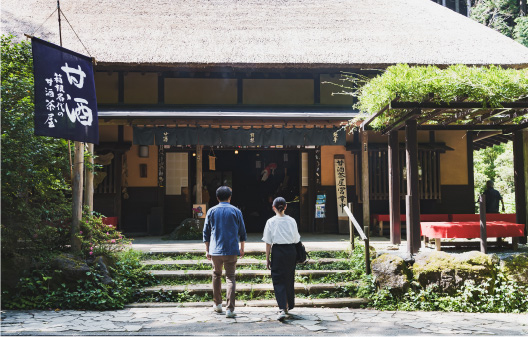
(363, 236)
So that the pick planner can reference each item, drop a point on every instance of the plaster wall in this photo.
(327, 89)
(108, 133)
(200, 91)
(133, 167)
(107, 87)
(327, 165)
(454, 163)
(140, 88)
(278, 91)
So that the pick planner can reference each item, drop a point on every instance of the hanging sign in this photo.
(65, 95)
(341, 186)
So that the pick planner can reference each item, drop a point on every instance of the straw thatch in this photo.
(328, 33)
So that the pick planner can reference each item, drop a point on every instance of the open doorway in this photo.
(257, 177)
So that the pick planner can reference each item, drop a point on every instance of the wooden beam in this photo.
(365, 179)
(457, 105)
(412, 171)
(520, 191)
(372, 118)
(430, 116)
(394, 187)
(482, 224)
(395, 125)
(199, 174)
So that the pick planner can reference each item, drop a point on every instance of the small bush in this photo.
(38, 290)
(507, 297)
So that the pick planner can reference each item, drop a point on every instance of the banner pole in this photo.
(59, 15)
(76, 174)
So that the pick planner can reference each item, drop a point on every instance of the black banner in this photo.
(65, 94)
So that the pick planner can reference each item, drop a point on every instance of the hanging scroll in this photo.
(341, 186)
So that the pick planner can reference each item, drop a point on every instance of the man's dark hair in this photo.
(223, 193)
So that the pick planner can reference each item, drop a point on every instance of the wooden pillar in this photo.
(520, 195)
(118, 185)
(412, 172)
(89, 182)
(365, 180)
(77, 195)
(482, 224)
(470, 159)
(394, 187)
(199, 174)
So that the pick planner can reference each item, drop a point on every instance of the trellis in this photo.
(460, 114)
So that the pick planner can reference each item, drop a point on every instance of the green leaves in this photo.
(490, 86)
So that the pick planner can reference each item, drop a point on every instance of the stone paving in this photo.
(259, 322)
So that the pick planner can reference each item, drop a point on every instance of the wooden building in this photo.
(180, 82)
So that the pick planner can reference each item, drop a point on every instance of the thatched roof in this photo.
(306, 33)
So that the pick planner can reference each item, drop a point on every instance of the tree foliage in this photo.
(508, 17)
(491, 86)
(34, 169)
(495, 163)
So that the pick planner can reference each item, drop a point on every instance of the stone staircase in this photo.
(184, 279)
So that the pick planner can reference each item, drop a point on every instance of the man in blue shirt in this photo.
(223, 230)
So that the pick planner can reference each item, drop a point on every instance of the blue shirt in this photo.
(223, 229)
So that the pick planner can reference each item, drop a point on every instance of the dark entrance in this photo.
(257, 177)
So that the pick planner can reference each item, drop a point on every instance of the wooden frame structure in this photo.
(456, 115)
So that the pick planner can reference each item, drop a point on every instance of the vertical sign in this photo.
(65, 95)
(341, 186)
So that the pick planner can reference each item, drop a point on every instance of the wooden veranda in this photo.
(497, 123)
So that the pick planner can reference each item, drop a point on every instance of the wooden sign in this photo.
(341, 186)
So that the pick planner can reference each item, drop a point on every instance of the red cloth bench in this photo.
(489, 217)
(381, 218)
(470, 230)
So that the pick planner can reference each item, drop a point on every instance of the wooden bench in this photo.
(470, 229)
(382, 220)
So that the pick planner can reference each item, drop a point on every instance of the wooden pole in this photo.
(365, 179)
(520, 191)
(412, 172)
(394, 187)
(89, 183)
(351, 229)
(77, 195)
(199, 174)
(368, 256)
(482, 224)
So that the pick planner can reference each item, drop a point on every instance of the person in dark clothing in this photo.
(492, 199)
(281, 235)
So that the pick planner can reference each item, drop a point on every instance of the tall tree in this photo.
(508, 17)
(34, 169)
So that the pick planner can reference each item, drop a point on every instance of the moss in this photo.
(450, 272)
(515, 268)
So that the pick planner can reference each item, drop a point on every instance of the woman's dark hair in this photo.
(223, 193)
(280, 204)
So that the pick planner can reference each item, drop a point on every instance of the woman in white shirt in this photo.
(281, 235)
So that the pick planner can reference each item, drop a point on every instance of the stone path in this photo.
(259, 322)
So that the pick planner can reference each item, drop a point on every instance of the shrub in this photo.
(98, 239)
(38, 290)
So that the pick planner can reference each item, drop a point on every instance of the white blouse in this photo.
(281, 230)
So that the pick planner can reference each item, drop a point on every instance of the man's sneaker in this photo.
(217, 308)
(282, 315)
(230, 314)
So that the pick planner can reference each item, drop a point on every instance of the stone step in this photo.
(240, 274)
(173, 251)
(240, 262)
(256, 289)
(346, 302)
